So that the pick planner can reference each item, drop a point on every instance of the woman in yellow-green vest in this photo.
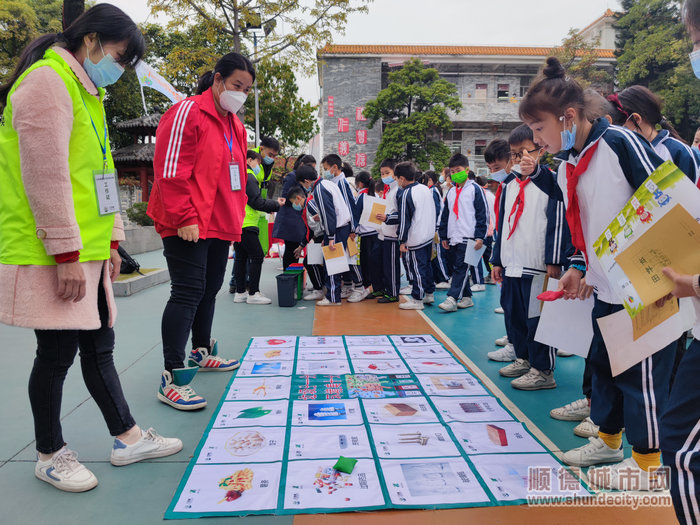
(60, 228)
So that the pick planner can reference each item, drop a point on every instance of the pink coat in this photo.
(43, 119)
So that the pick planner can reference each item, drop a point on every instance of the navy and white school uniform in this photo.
(316, 272)
(370, 249)
(417, 231)
(532, 234)
(441, 270)
(477, 272)
(336, 219)
(471, 222)
(636, 398)
(499, 204)
(349, 197)
(391, 255)
(670, 148)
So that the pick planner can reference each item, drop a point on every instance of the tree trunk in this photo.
(236, 32)
(72, 9)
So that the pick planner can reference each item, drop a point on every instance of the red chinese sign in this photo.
(361, 160)
(343, 125)
(331, 107)
(361, 136)
(343, 148)
(359, 113)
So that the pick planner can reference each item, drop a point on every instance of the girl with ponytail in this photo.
(370, 248)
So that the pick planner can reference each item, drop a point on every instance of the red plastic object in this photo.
(551, 295)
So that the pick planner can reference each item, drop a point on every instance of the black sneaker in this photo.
(388, 299)
(232, 288)
(375, 295)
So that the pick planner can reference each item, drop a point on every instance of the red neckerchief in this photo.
(363, 190)
(386, 190)
(455, 208)
(573, 213)
(518, 205)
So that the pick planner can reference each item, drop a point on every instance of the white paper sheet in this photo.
(373, 352)
(283, 353)
(367, 340)
(329, 442)
(412, 441)
(274, 342)
(320, 353)
(501, 437)
(334, 367)
(249, 413)
(243, 445)
(259, 388)
(451, 385)
(376, 366)
(471, 409)
(203, 491)
(534, 308)
(315, 484)
(321, 341)
(327, 413)
(414, 340)
(431, 482)
(368, 203)
(441, 365)
(625, 352)
(265, 368)
(422, 352)
(472, 256)
(566, 325)
(336, 265)
(398, 411)
(314, 253)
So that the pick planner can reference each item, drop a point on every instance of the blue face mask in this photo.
(568, 137)
(105, 72)
(388, 180)
(256, 169)
(499, 176)
(695, 62)
(327, 175)
(297, 207)
(268, 160)
(441, 179)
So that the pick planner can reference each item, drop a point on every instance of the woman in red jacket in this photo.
(197, 205)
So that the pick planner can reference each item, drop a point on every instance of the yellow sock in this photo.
(647, 461)
(612, 440)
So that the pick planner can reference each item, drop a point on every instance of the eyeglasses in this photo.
(519, 155)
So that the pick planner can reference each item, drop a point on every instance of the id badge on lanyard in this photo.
(234, 169)
(107, 192)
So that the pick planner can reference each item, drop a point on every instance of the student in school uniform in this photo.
(464, 218)
(391, 269)
(416, 233)
(532, 243)
(441, 270)
(597, 155)
(370, 248)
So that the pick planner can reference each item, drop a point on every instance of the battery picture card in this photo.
(283, 353)
(376, 366)
(422, 352)
(274, 342)
(367, 340)
(334, 367)
(252, 413)
(451, 385)
(336, 259)
(314, 253)
(470, 409)
(320, 353)
(315, 484)
(327, 413)
(243, 445)
(399, 411)
(321, 341)
(431, 482)
(439, 365)
(413, 441)
(501, 437)
(265, 368)
(414, 340)
(373, 352)
(329, 442)
(259, 388)
(472, 256)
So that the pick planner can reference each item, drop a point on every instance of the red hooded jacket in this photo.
(191, 182)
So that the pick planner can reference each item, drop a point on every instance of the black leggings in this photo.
(250, 256)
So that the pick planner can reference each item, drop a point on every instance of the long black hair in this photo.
(226, 65)
(109, 22)
(640, 100)
(367, 181)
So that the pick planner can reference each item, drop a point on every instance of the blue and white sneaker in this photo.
(65, 472)
(175, 390)
(209, 360)
(151, 445)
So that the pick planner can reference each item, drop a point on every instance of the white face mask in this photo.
(232, 101)
(500, 175)
(516, 169)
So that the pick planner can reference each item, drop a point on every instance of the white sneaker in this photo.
(627, 475)
(535, 380)
(326, 302)
(498, 310)
(449, 304)
(406, 290)
(593, 453)
(561, 353)
(313, 295)
(502, 341)
(443, 286)
(65, 472)
(479, 288)
(258, 298)
(517, 368)
(586, 428)
(240, 297)
(575, 411)
(429, 298)
(507, 353)
(358, 295)
(151, 445)
(345, 292)
(411, 304)
(466, 302)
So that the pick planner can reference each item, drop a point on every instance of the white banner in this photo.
(149, 77)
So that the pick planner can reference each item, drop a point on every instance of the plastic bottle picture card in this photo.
(451, 385)
(243, 445)
(320, 353)
(334, 367)
(259, 388)
(249, 413)
(277, 341)
(367, 340)
(252, 367)
(377, 366)
(516, 476)
(424, 352)
(399, 411)
(315, 484)
(327, 413)
(495, 438)
(413, 441)
(373, 352)
(370, 386)
(414, 340)
(471, 409)
(230, 489)
(431, 482)
(329, 443)
(428, 365)
(283, 353)
(321, 341)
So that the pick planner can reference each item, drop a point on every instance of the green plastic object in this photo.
(344, 464)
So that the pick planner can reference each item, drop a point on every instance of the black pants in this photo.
(371, 262)
(289, 257)
(250, 257)
(56, 350)
(316, 272)
(197, 271)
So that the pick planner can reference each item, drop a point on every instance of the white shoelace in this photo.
(185, 391)
(152, 435)
(66, 462)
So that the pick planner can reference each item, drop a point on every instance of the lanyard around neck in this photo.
(229, 141)
(103, 143)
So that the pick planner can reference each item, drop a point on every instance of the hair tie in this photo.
(616, 100)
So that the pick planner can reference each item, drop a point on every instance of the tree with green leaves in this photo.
(580, 59)
(653, 52)
(413, 110)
